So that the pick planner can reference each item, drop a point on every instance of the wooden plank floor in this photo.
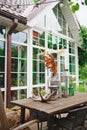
(34, 126)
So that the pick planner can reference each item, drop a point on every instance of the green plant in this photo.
(81, 88)
(63, 88)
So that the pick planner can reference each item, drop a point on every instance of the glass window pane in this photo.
(19, 37)
(2, 48)
(19, 51)
(14, 65)
(54, 42)
(41, 67)
(22, 65)
(42, 78)
(22, 51)
(14, 50)
(62, 43)
(14, 95)
(39, 38)
(19, 64)
(14, 80)
(23, 79)
(34, 66)
(23, 93)
(15, 36)
(71, 48)
(72, 64)
(42, 39)
(2, 31)
(35, 78)
(35, 53)
(50, 41)
(23, 37)
(1, 80)
(2, 63)
(62, 63)
(38, 66)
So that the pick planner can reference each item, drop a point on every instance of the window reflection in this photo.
(14, 95)
(2, 31)
(22, 79)
(2, 61)
(22, 64)
(38, 67)
(2, 48)
(71, 48)
(19, 65)
(1, 80)
(38, 38)
(14, 79)
(19, 37)
(14, 50)
(22, 93)
(14, 65)
(2, 64)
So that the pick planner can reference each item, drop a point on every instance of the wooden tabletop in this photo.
(53, 107)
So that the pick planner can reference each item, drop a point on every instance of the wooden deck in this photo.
(34, 126)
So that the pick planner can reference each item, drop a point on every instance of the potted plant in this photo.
(71, 88)
(63, 89)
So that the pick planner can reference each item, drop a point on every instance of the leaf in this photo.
(85, 2)
(36, 1)
(77, 6)
(73, 9)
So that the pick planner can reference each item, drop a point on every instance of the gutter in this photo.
(11, 16)
(11, 30)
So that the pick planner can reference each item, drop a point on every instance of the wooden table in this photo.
(51, 108)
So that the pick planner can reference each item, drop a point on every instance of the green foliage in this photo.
(36, 1)
(83, 72)
(83, 55)
(63, 88)
(81, 88)
(42, 37)
(85, 2)
(74, 86)
(75, 6)
(83, 51)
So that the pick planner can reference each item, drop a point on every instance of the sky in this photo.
(82, 15)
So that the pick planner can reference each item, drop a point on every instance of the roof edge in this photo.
(11, 16)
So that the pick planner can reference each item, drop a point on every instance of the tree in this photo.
(83, 72)
(83, 50)
(83, 54)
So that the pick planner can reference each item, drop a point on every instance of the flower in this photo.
(50, 62)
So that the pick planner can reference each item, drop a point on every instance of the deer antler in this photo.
(48, 98)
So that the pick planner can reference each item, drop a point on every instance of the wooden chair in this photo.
(74, 120)
(4, 125)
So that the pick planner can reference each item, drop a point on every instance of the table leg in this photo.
(50, 123)
(22, 116)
